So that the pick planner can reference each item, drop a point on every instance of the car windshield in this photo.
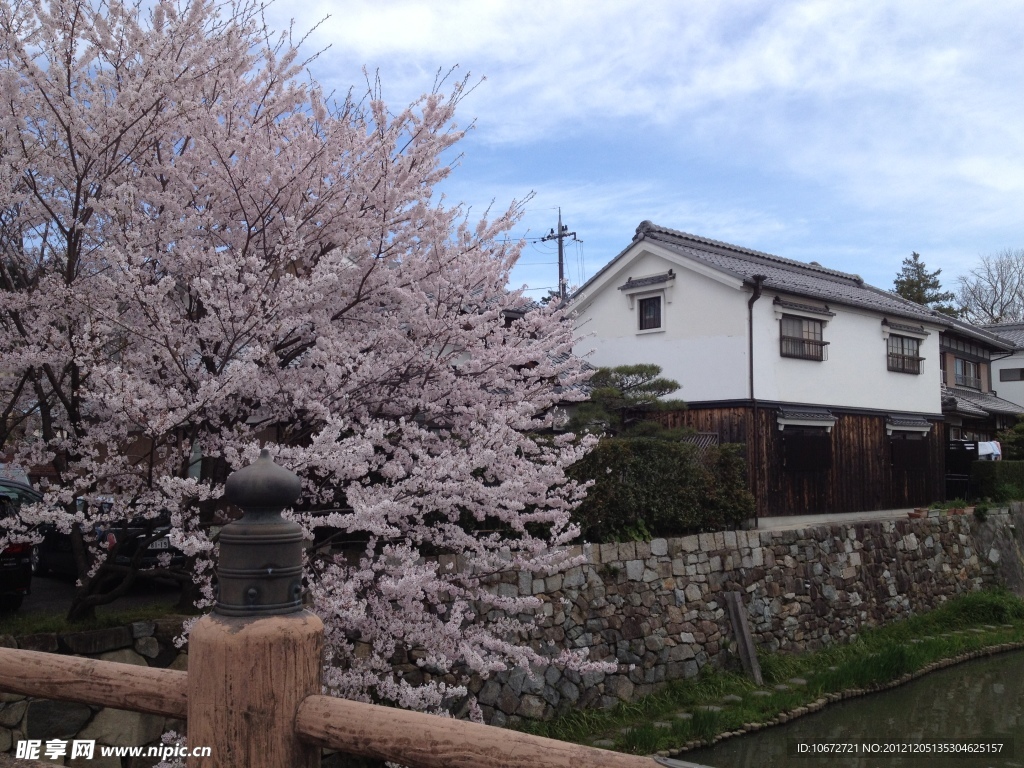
(17, 494)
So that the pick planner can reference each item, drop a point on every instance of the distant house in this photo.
(1008, 367)
(980, 395)
(832, 384)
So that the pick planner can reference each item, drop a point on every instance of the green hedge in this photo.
(646, 487)
(998, 480)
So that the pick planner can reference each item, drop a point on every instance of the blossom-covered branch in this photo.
(202, 254)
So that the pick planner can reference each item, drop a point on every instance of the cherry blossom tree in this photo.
(201, 254)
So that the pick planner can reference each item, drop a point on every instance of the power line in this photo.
(580, 263)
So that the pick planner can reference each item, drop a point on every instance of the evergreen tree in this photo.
(623, 401)
(915, 283)
(1012, 442)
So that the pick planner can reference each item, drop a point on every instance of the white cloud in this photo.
(860, 129)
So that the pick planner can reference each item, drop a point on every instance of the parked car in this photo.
(16, 559)
(54, 554)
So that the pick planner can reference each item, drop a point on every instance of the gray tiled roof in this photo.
(812, 280)
(1012, 332)
(640, 282)
(953, 404)
(981, 333)
(903, 420)
(798, 278)
(905, 327)
(971, 402)
(807, 412)
(805, 307)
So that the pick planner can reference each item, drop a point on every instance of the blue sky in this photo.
(849, 133)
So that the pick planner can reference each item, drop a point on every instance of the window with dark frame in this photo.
(967, 374)
(650, 313)
(958, 345)
(802, 338)
(904, 354)
(1011, 374)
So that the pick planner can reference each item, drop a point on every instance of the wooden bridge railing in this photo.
(410, 738)
(252, 693)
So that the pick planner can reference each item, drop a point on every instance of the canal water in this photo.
(978, 702)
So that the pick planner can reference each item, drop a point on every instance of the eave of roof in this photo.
(998, 341)
(806, 412)
(906, 420)
(971, 402)
(1012, 332)
(643, 282)
(649, 229)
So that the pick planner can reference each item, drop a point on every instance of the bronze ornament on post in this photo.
(260, 568)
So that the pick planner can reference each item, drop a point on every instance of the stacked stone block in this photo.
(655, 609)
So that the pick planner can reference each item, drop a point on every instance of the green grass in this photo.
(34, 623)
(877, 657)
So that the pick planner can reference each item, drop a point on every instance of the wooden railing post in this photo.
(253, 661)
(246, 679)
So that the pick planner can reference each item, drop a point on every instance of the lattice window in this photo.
(802, 338)
(904, 354)
(650, 313)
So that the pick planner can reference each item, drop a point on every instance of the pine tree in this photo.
(915, 283)
(623, 401)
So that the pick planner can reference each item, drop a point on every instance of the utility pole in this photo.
(560, 236)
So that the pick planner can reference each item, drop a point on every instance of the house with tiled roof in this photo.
(976, 406)
(837, 388)
(980, 396)
(1008, 367)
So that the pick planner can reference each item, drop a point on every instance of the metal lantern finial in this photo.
(260, 568)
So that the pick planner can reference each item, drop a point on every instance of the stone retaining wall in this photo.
(656, 608)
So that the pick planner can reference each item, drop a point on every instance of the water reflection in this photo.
(978, 699)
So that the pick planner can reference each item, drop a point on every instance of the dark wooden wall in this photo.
(862, 476)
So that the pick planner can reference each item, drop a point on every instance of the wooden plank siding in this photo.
(862, 476)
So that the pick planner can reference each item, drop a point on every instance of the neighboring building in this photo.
(1008, 368)
(973, 412)
(972, 361)
(832, 384)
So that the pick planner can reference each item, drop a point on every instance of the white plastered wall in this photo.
(855, 375)
(703, 340)
(1009, 390)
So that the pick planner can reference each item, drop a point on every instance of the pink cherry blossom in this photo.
(203, 253)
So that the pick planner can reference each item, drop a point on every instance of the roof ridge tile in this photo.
(649, 227)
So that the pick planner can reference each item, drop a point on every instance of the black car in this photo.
(54, 554)
(16, 559)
